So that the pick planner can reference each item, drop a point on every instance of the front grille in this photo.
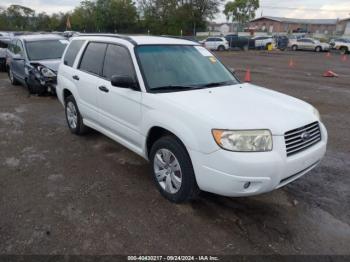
(302, 138)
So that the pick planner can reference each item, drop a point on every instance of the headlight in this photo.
(317, 114)
(244, 140)
(46, 72)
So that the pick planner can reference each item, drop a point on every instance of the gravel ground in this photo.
(62, 194)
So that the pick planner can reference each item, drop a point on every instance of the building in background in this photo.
(272, 24)
(222, 28)
(344, 26)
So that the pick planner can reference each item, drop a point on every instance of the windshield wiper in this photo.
(215, 84)
(173, 88)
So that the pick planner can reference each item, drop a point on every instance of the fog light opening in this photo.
(246, 185)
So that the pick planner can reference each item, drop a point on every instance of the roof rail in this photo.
(124, 37)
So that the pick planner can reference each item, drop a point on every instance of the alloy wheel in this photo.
(167, 170)
(72, 115)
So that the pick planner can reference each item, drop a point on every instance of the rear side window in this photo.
(72, 52)
(117, 62)
(93, 58)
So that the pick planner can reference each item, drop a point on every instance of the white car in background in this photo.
(262, 42)
(216, 43)
(175, 104)
(308, 44)
(341, 44)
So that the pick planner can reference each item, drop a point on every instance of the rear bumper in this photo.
(228, 173)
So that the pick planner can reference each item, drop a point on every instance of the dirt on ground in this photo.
(63, 194)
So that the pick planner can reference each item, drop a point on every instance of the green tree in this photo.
(83, 17)
(241, 11)
(42, 22)
(172, 16)
(115, 15)
(20, 17)
(3, 19)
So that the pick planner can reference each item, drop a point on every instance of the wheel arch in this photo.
(344, 47)
(66, 93)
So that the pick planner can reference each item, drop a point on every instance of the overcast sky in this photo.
(286, 8)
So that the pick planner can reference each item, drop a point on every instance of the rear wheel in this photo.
(344, 50)
(294, 47)
(221, 48)
(74, 118)
(12, 78)
(172, 170)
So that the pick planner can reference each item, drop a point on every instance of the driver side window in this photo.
(117, 62)
(18, 48)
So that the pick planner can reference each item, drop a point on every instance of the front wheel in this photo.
(12, 78)
(74, 118)
(172, 170)
(343, 50)
(318, 49)
(221, 48)
(294, 47)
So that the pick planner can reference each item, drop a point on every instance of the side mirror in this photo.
(124, 82)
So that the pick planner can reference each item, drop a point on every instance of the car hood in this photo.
(245, 106)
(51, 64)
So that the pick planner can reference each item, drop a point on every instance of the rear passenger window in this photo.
(72, 52)
(117, 62)
(93, 58)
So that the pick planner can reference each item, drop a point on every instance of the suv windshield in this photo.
(46, 49)
(180, 67)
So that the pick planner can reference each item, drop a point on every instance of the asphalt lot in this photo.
(62, 194)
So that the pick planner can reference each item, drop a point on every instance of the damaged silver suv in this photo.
(33, 61)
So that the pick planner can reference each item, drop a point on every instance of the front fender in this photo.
(196, 136)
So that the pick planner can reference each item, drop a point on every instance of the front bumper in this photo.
(226, 173)
(42, 84)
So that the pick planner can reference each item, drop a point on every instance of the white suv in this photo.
(216, 43)
(172, 102)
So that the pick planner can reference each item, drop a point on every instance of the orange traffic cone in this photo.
(344, 58)
(291, 63)
(247, 77)
(330, 73)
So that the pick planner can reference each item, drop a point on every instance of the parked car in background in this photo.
(262, 42)
(6, 34)
(341, 44)
(175, 104)
(281, 42)
(216, 43)
(309, 44)
(33, 61)
(69, 34)
(4, 42)
(236, 41)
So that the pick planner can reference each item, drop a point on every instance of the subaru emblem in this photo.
(305, 136)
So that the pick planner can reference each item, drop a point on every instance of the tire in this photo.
(30, 88)
(37, 91)
(294, 47)
(172, 170)
(221, 48)
(343, 50)
(74, 118)
(318, 49)
(12, 78)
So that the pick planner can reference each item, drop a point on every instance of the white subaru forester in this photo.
(172, 102)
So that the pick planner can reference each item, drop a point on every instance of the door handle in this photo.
(75, 77)
(103, 89)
